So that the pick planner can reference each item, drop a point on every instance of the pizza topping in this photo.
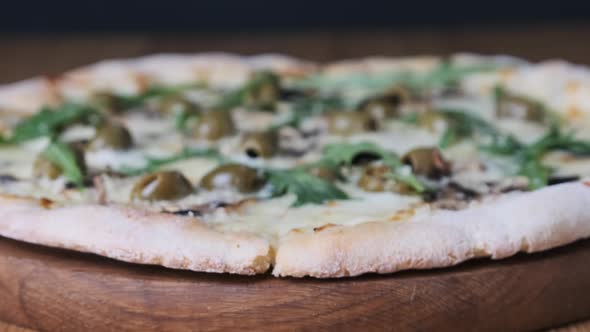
(327, 144)
(61, 159)
(213, 125)
(111, 136)
(260, 145)
(51, 122)
(386, 105)
(428, 162)
(233, 177)
(451, 196)
(264, 92)
(306, 187)
(345, 154)
(347, 123)
(167, 185)
(510, 105)
(377, 178)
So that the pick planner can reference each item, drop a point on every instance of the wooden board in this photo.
(51, 289)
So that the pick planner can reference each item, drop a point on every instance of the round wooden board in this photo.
(58, 290)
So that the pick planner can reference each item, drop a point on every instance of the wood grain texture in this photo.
(23, 56)
(57, 290)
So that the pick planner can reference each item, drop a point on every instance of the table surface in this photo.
(23, 56)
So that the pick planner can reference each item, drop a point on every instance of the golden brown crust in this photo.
(134, 236)
(527, 222)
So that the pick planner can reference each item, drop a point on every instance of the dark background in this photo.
(48, 37)
(260, 15)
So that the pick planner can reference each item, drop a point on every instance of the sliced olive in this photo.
(233, 176)
(175, 104)
(264, 92)
(43, 167)
(261, 145)
(512, 106)
(347, 123)
(214, 125)
(430, 120)
(168, 185)
(375, 178)
(427, 161)
(111, 136)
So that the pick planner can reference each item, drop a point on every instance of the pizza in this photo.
(256, 164)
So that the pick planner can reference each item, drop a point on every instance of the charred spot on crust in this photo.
(45, 202)
(323, 227)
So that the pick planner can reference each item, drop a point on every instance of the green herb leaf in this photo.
(306, 187)
(307, 107)
(64, 157)
(124, 102)
(537, 173)
(343, 154)
(50, 122)
(155, 163)
(444, 75)
(236, 97)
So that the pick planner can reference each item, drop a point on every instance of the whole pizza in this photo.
(224, 163)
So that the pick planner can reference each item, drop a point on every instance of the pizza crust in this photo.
(528, 222)
(134, 236)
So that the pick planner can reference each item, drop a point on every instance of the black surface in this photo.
(245, 15)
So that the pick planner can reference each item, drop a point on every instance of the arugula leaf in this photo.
(155, 163)
(307, 107)
(343, 154)
(529, 156)
(237, 97)
(64, 157)
(49, 122)
(124, 102)
(537, 173)
(306, 187)
(462, 124)
(444, 75)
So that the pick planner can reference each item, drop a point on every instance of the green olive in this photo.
(386, 105)
(379, 108)
(375, 178)
(43, 167)
(347, 123)
(233, 176)
(324, 173)
(265, 92)
(109, 101)
(175, 104)
(214, 125)
(430, 119)
(511, 106)
(167, 185)
(427, 161)
(111, 136)
(262, 145)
